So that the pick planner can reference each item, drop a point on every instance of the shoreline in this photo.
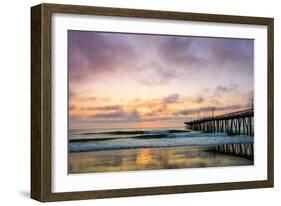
(148, 147)
(164, 146)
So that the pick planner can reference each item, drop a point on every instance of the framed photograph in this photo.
(132, 102)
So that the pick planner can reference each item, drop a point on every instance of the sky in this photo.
(121, 80)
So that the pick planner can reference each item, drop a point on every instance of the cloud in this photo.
(199, 100)
(237, 52)
(150, 114)
(224, 89)
(193, 111)
(99, 60)
(71, 107)
(114, 118)
(193, 55)
(178, 51)
(155, 73)
(158, 103)
(111, 115)
(104, 108)
(208, 109)
(153, 116)
(134, 116)
(92, 54)
(250, 94)
(88, 99)
(71, 94)
(185, 112)
(147, 103)
(111, 107)
(172, 98)
(214, 102)
(229, 107)
(155, 112)
(250, 100)
(195, 99)
(162, 119)
(120, 116)
(155, 59)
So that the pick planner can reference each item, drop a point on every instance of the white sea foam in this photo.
(154, 138)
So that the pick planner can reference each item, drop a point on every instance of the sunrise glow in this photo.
(147, 81)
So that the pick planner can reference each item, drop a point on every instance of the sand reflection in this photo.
(144, 158)
(150, 158)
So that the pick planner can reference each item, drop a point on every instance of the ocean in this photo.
(112, 139)
(117, 150)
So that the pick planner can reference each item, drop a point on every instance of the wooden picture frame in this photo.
(41, 96)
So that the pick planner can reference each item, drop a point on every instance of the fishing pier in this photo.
(239, 122)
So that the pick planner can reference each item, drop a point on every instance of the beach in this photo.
(151, 159)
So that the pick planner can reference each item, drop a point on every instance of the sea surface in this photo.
(110, 139)
(111, 150)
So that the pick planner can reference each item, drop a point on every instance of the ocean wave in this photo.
(134, 134)
(158, 140)
(129, 132)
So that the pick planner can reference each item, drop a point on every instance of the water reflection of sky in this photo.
(150, 159)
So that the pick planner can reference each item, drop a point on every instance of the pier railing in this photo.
(239, 122)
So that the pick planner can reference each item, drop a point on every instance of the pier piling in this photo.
(240, 122)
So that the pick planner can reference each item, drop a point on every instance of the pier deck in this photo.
(239, 122)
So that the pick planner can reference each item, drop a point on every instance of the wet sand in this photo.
(151, 159)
